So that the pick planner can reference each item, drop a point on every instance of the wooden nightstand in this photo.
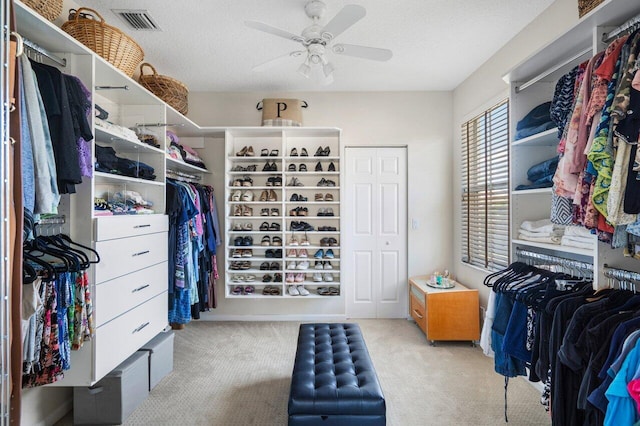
(445, 314)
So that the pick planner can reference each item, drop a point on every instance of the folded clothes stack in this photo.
(108, 162)
(536, 121)
(540, 231)
(578, 236)
(123, 132)
(541, 175)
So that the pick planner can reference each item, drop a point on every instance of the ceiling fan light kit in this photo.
(316, 40)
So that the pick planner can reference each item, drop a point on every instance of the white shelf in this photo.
(184, 167)
(120, 144)
(108, 177)
(533, 191)
(546, 138)
(555, 247)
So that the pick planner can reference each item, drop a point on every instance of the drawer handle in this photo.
(417, 314)
(140, 253)
(140, 288)
(142, 226)
(140, 327)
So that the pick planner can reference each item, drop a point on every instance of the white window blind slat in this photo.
(485, 183)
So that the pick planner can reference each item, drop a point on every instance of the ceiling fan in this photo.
(316, 41)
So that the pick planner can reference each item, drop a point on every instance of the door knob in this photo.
(388, 243)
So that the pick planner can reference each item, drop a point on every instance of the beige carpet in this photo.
(238, 373)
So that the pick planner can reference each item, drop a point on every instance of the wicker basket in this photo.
(50, 9)
(166, 88)
(109, 42)
(586, 6)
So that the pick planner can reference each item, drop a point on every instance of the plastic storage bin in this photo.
(160, 350)
(116, 396)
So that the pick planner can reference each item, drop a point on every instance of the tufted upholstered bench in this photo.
(334, 382)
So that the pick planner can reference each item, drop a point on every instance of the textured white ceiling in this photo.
(436, 44)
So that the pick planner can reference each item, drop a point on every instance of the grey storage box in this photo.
(116, 396)
(160, 350)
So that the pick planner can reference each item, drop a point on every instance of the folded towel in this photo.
(586, 240)
(554, 239)
(567, 241)
(577, 231)
(535, 234)
(543, 225)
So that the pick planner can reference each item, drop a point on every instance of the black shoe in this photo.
(274, 266)
(277, 181)
(294, 197)
(269, 254)
(264, 266)
(302, 168)
(319, 152)
(326, 151)
(294, 152)
(292, 167)
(277, 253)
(274, 227)
(264, 226)
(304, 153)
(319, 167)
(247, 241)
(332, 167)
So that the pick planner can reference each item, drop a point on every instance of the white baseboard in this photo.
(57, 414)
(317, 318)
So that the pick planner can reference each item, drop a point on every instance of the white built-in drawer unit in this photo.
(124, 293)
(125, 255)
(124, 335)
(109, 228)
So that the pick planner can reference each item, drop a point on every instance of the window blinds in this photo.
(485, 189)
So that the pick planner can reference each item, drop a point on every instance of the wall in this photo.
(419, 120)
(484, 88)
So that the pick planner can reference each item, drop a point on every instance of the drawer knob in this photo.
(142, 226)
(140, 327)
(140, 253)
(140, 288)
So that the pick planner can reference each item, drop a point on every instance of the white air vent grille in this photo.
(139, 20)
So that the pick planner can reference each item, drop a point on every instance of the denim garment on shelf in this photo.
(542, 169)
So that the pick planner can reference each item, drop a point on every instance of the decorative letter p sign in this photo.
(281, 112)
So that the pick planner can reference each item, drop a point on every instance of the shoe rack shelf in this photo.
(252, 182)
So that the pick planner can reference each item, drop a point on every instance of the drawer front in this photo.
(118, 339)
(125, 255)
(117, 296)
(109, 228)
(418, 294)
(418, 313)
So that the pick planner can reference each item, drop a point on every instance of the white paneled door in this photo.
(376, 232)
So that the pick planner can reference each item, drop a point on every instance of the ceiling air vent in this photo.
(139, 20)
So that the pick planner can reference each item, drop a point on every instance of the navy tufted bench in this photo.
(334, 382)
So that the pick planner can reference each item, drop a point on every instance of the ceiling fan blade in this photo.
(273, 30)
(349, 15)
(276, 61)
(373, 53)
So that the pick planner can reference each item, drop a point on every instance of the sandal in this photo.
(323, 291)
(264, 152)
(304, 153)
(294, 152)
(274, 153)
(302, 168)
(264, 226)
(237, 291)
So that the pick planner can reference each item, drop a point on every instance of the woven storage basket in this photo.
(586, 6)
(50, 9)
(109, 42)
(166, 88)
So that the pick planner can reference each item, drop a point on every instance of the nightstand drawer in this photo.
(109, 228)
(418, 313)
(125, 255)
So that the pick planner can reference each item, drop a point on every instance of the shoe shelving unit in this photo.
(247, 211)
(532, 82)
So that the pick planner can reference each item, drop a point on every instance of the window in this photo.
(485, 189)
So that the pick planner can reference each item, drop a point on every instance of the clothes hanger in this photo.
(70, 241)
(51, 272)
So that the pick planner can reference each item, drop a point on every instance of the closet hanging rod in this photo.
(159, 124)
(629, 24)
(125, 87)
(182, 175)
(54, 220)
(561, 261)
(550, 71)
(25, 42)
(621, 274)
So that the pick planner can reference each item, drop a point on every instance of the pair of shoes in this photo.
(266, 266)
(246, 226)
(321, 254)
(270, 167)
(268, 241)
(295, 182)
(246, 290)
(266, 278)
(303, 265)
(297, 290)
(301, 168)
(318, 277)
(326, 242)
(265, 152)
(299, 211)
(240, 266)
(246, 151)
(271, 290)
(243, 241)
(274, 181)
(327, 228)
(326, 182)
(273, 253)
(298, 253)
(273, 212)
(323, 152)
(301, 226)
(325, 212)
(328, 291)
(269, 195)
(264, 226)
(243, 278)
(303, 152)
(242, 196)
(298, 197)
(242, 253)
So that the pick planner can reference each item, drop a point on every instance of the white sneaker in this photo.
(291, 265)
(302, 291)
(319, 265)
(327, 265)
(293, 291)
(303, 265)
(328, 277)
(317, 277)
